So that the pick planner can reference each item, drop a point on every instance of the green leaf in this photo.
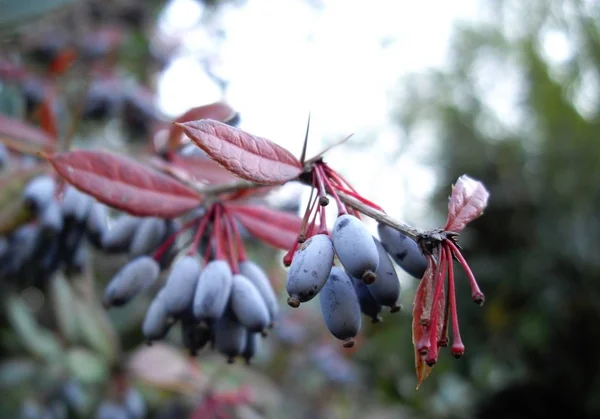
(35, 339)
(63, 302)
(86, 366)
(17, 371)
(92, 332)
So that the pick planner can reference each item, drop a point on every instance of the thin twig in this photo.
(412, 232)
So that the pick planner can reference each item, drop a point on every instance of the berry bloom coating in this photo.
(386, 289)
(340, 306)
(180, 285)
(309, 269)
(118, 238)
(248, 305)
(368, 304)
(133, 278)
(355, 248)
(156, 323)
(39, 191)
(213, 290)
(260, 280)
(403, 250)
(148, 236)
(230, 337)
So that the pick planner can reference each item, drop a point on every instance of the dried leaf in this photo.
(422, 306)
(252, 158)
(125, 184)
(218, 111)
(467, 202)
(23, 137)
(276, 228)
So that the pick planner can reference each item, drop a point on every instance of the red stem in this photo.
(341, 207)
(232, 251)
(339, 178)
(208, 251)
(319, 175)
(241, 251)
(219, 251)
(457, 345)
(476, 293)
(201, 229)
(310, 207)
(433, 322)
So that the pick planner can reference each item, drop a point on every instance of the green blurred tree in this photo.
(511, 111)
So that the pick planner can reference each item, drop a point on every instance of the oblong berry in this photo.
(75, 204)
(213, 290)
(51, 219)
(340, 306)
(195, 335)
(251, 346)
(248, 305)
(309, 270)
(230, 337)
(157, 322)
(23, 242)
(404, 250)
(97, 223)
(148, 235)
(77, 263)
(132, 279)
(260, 280)
(368, 304)
(355, 248)
(181, 283)
(119, 237)
(39, 191)
(386, 289)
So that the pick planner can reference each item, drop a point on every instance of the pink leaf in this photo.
(467, 202)
(216, 111)
(125, 184)
(276, 228)
(21, 136)
(252, 158)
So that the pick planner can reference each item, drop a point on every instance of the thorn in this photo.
(303, 155)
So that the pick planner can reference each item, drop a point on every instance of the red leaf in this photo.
(276, 228)
(252, 158)
(125, 184)
(24, 137)
(203, 170)
(422, 306)
(217, 111)
(469, 199)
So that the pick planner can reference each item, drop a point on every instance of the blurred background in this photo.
(505, 91)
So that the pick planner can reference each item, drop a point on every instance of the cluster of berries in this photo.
(62, 219)
(366, 280)
(220, 297)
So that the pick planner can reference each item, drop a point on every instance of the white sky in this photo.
(341, 62)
